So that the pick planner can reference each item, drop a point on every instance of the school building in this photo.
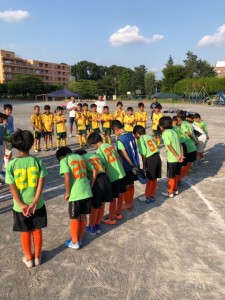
(51, 73)
(220, 69)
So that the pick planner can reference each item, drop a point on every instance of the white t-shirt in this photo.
(100, 105)
(71, 112)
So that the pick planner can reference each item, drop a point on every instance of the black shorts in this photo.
(184, 163)
(118, 187)
(81, 207)
(96, 130)
(102, 190)
(154, 167)
(71, 120)
(191, 157)
(130, 178)
(37, 135)
(173, 169)
(61, 135)
(88, 128)
(106, 131)
(47, 133)
(82, 132)
(25, 224)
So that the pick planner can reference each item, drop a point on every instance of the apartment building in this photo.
(52, 73)
(220, 69)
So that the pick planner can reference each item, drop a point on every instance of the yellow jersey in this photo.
(47, 121)
(37, 121)
(81, 121)
(87, 116)
(106, 120)
(119, 115)
(129, 123)
(94, 117)
(141, 118)
(60, 127)
(155, 120)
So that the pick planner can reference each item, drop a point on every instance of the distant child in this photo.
(81, 126)
(129, 120)
(202, 124)
(190, 139)
(3, 138)
(114, 169)
(48, 127)
(25, 176)
(102, 191)
(127, 149)
(151, 161)
(94, 119)
(86, 113)
(119, 114)
(141, 115)
(8, 111)
(106, 119)
(60, 121)
(174, 154)
(155, 122)
(36, 121)
(78, 192)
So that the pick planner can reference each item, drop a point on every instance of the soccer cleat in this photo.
(29, 263)
(150, 200)
(142, 199)
(109, 221)
(90, 230)
(168, 195)
(119, 217)
(71, 245)
(98, 228)
(37, 261)
(176, 192)
(36, 150)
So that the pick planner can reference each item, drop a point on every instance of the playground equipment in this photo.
(195, 95)
(220, 99)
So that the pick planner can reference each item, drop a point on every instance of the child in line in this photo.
(151, 162)
(86, 113)
(60, 121)
(25, 176)
(10, 130)
(8, 109)
(3, 138)
(78, 192)
(95, 119)
(106, 119)
(202, 124)
(102, 192)
(155, 122)
(115, 171)
(141, 115)
(174, 154)
(127, 149)
(48, 127)
(36, 121)
(81, 126)
(129, 120)
(119, 114)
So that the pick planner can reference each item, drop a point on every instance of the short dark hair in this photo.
(130, 109)
(80, 152)
(3, 116)
(36, 106)
(85, 104)
(174, 118)
(22, 140)
(93, 105)
(155, 97)
(165, 122)
(62, 152)
(47, 107)
(159, 106)
(139, 129)
(7, 106)
(94, 138)
(119, 103)
(181, 115)
(80, 105)
(116, 124)
(190, 116)
(59, 108)
(141, 104)
(197, 116)
(106, 107)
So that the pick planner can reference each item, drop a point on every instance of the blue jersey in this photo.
(10, 125)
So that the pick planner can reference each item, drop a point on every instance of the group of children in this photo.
(106, 176)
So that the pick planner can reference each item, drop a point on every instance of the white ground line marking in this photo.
(206, 201)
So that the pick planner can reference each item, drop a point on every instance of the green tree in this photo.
(150, 83)
(85, 70)
(26, 85)
(125, 82)
(86, 88)
(107, 85)
(139, 78)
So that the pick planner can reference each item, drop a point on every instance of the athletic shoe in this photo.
(57, 149)
(37, 261)
(168, 195)
(71, 245)
(142, 199)
(119, 217)
(176, 192)
(98, 228)
(150, 200)
(90, 230)
(36, 150)
(29, 263)
(70, 135)
(109, 221)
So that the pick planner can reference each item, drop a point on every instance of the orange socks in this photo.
(131, 196)
(119, 204)
(148, 189)
(100, 214)
(37, 238)
(83, 225)
(127, 198)
(26, 245)
(171, 185)
(93, 216)
(112, 209)
(74, 230)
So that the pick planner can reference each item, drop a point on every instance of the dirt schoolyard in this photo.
(172, 249)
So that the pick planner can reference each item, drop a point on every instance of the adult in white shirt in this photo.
(71, 109)
(100, 104)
